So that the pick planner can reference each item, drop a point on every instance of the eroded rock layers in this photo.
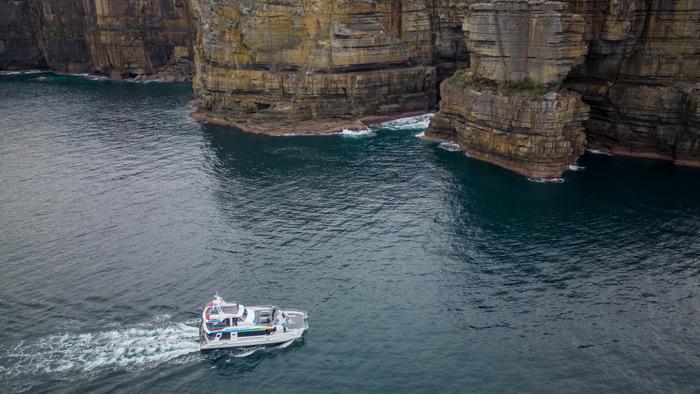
(508, 108)
(313, 66)
(132, 38)
(641, 77)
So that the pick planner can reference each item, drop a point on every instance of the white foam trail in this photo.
(598, 152)
(421, 134)
(127, 348)
(574, 167)
(285, 345)
(91, 77)
(248, 352)
(357, 133)
(546, 180)
(409, 123)
(24, 72)
(449, 146)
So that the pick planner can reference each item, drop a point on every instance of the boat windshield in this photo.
(230, 309)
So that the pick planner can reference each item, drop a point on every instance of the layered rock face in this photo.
(642, 77)
(312, 66)
(508, 108)
(537, 137)
(519, 40)
(18, 47)
(133, 38)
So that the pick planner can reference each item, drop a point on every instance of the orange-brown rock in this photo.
(537, 135)
(312, 66)
(508, 108)
(518, 40)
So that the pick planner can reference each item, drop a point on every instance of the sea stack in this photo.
(509, 108)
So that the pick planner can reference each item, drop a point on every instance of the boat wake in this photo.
(252, 350)
(129, 348)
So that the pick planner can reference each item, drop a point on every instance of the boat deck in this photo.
(295, 321)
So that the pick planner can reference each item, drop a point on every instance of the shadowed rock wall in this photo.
(508, 109)
(132, 38)
(641, 77)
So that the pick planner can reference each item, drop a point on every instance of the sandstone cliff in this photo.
(312, 66)
(317, 66)
(133, 38)
(508, 108)
(642, 77)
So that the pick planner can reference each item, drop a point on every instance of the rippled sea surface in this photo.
(421, 269)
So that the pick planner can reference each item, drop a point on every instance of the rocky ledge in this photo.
(520, 127)
(509, 109)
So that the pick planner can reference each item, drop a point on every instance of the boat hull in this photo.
(272, 339)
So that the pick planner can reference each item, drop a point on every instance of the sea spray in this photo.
(357, 133)
(449, 146)
(598, 152)
(408, 123)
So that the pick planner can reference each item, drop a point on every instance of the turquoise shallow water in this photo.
(421, 269)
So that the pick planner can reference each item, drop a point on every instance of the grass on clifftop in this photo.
(527, 87)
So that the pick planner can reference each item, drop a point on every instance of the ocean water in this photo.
(422, 270)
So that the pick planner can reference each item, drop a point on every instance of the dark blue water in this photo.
(421, 269)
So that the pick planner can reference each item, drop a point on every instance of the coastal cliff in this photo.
(509, 108)
(634, 63)
(121, 39)
(524, 84)
(641, 78)
(313, 66)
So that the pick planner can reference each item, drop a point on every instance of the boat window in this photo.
(230, 309)
(245, 314)
(251, 333)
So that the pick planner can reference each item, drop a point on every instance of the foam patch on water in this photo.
(449, 146)
(546, 180)
(366, 132)
(573, 167)
(23, 72)
(421, 134)
(409, 123)
(91, 77)
(598, 152)
(126, 348)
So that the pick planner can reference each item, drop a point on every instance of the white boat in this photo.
(230, 324)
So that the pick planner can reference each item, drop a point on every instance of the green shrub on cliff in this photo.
(466, 79)
(526, 87)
